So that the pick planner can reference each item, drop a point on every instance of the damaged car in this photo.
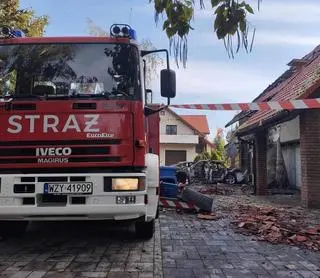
(209, 171)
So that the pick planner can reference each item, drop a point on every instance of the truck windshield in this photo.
(66, 70)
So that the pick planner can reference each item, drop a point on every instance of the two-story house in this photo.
(182, 137)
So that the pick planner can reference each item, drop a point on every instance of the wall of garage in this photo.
(189, 148)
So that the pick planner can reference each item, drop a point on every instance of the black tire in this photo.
(13, 228)
(182, 176)
(230, 179)
(158, 211)
(145, 230)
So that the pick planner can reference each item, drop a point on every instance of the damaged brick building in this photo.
(298, 131)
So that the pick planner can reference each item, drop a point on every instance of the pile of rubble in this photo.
(276, 225)
(218, 189)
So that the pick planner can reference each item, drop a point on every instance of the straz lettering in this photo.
(52, 123)
(53, 152)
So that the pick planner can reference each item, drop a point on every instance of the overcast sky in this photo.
(285, 30)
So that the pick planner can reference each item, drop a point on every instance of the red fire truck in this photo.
(78, 140)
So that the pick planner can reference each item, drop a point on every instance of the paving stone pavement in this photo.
(204, 248)
(183, 246)
(89, 249)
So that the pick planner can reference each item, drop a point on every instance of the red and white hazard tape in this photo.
(166, 203)
(254, 106)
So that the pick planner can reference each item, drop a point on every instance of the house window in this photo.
(199, 148)
(171, 130)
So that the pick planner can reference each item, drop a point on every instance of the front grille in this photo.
(23, 188)
(28, 179)
(77, 178)
(81, 105)
(71, 151)
(28, 201)
(23, 106)
(78, 200)
(52, 179)
(52, 200)
(75, 151)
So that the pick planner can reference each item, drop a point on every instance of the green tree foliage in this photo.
(219, 143)
(153, 61)
(211, 155)
(230, 20)
(218, 153)
(25, 19)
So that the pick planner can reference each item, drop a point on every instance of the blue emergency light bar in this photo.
(7, 33)
(123, 31)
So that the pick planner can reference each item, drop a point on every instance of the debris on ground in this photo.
(217, 189)
(276, 225)
(200, 200)
(208, 216)
(272, 218)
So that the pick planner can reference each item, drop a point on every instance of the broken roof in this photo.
(301, 80)
(263, 96)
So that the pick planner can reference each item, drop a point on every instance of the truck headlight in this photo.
(120, 184)
(123, 184)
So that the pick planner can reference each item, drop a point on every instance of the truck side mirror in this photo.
(168, 83)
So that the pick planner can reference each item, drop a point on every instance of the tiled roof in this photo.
(300, 84)
(281, 81)
(202, 134)
(186, 122)
(199, 122)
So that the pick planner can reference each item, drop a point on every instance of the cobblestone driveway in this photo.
(195, 248)
(190, 248)
(87, 250)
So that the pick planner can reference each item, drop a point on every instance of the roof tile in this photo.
(199, 122)
(297, 86)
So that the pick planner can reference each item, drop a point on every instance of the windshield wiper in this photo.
(116, 92)
(101, 95)
(105, 94)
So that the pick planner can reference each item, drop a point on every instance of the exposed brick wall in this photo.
(310, 157)
(261, 163)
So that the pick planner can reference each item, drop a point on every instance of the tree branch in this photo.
(230, 23)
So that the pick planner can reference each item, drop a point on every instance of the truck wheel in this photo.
(158, 211)
(13, 228)
(145, 230)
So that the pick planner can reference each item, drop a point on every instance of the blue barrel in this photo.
(167, 171)
(168, 190)
(168, 184)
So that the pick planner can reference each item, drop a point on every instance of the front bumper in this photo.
(99, 205)
(79, 212)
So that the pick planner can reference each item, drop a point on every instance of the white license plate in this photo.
(68, 188)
